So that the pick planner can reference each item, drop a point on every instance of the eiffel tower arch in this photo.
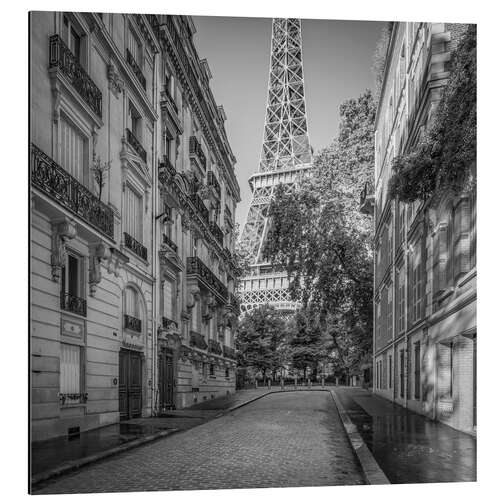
(286, 155)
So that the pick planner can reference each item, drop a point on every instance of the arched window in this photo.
(132, 310)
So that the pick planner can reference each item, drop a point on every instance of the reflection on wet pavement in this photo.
(409, 447)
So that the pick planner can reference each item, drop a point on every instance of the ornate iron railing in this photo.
(214, 346)
(56, 182)
(234, 303)
(136, 69)
(229, 352)
(213, 182)
(73, 398)
(134, 142)
(197, 340)
(217, 232)
(136, 247)
(227, 254)
(131, 323)
(196, 150)
(71, 303)
(166, 171)
(166, 322)
(169, 242)
(197, 267)
(61, 57)
(200, 206)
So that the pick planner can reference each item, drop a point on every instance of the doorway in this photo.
(130, 385)
(166, 379)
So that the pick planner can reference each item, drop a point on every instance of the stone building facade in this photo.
(133, 197)
(424, 339)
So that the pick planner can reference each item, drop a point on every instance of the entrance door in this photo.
(166, 368)
(130, 387)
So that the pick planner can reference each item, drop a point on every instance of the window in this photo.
(401, 223)
(416, 283)
(390, 371)
(169, 297)
(417, 370)
(132, 306)
(73, 151)
(133, 214)
(212, 371)
(389, 312)
(226, 373)
(135, 121)
(71, 37)
(445, 370)
(402, 373)
(70, 375)
(72, 285)
(400, 300)
(135, 48)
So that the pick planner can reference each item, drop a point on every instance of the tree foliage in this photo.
(260, 338)
(445, 158)
(323, 241)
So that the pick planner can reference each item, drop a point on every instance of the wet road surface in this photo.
(409, 447)
(285, 439)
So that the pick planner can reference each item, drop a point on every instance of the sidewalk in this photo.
(408, 447)
(56, 456)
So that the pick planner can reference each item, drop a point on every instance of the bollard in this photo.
(322, 381)
(256, 384)
(269, 384)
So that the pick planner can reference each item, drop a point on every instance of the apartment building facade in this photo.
(133, 195)
(424, 339)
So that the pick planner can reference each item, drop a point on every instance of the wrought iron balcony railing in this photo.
(234, 303)
(227, 254)
(200, 206)
(136, 247)
(73, 398)
(214, 183)
(168, 323)
(61, 57)
(229, 352)
(217, 232)
(214, 346)
(134, 142)
(196, 151)
(166, 171)
(136, 69)
(71, 303)
(56, 182)
(169, 242)
(131, 323)
(196, 267)
(197, 340)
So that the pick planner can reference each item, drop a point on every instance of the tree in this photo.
(259, 339)
(319, 236)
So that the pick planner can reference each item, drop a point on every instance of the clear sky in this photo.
(337, 57)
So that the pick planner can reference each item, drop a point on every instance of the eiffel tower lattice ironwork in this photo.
(286, 155)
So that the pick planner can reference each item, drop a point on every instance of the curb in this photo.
(371, 469)
(76, 464)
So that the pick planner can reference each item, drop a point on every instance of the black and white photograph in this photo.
(252, 251)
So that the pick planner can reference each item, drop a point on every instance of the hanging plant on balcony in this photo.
(100, 171)
(445, 158)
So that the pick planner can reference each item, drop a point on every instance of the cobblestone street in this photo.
(285, 439)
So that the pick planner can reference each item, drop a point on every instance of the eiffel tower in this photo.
(286, 155)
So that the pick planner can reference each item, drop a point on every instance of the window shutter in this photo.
(461, 228)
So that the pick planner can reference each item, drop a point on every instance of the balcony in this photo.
(167, 241)
(197, 340)
(200, 206)
(229, 352)
(166, 171)
(136, 69)
(217, 232)
(197, 268)
(196, 153)
(234, 303)
(168, 323)
(214, 347)
(131, 323)
(138, 248)
(136, 146)
(214, 184)
(227, 214)
(73, 304)
(62, 187)
(61, 57)
(366, 200)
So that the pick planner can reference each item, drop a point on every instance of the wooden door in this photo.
(166, 382)
(130, 384)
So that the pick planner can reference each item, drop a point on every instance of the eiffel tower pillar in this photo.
(286, 155)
